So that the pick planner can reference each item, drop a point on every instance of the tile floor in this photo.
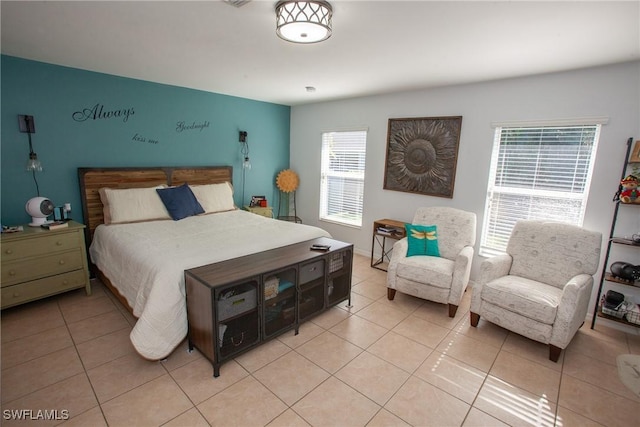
(380, 362)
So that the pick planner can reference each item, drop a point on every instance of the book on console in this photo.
(55, 225)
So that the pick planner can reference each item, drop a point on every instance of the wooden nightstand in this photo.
(37, 263)
(258, 210)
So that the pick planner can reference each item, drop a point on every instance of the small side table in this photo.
(262, 211)
(379, 239)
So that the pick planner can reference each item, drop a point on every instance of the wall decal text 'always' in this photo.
(98, 112)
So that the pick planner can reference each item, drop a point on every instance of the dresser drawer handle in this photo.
(61, 262)
(65, 282)
(58, 243)
(16, 295)
(8, 252)
(12, 272)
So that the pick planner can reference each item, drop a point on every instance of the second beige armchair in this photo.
(540, 288)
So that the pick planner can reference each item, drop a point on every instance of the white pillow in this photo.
(214, 197)
(132, 205)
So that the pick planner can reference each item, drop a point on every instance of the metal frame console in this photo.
(235, 305)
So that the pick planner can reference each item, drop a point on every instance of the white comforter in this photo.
(146, 262)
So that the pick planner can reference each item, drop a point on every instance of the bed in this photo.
(142, 259)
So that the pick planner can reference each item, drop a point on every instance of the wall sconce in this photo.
(28, 126)
(246, 163)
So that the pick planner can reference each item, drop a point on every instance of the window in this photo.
(540, 172)
(342, 176)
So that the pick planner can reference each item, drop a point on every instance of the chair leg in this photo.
(452, 310)
(475, 318)
(554, 353)
(391, 294)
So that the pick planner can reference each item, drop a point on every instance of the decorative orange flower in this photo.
(287, 181)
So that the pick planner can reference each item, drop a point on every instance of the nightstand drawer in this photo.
(35, 268)
(43, 245)
(262, 211)
(17, 294)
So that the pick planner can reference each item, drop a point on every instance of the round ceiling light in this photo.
(303, 21)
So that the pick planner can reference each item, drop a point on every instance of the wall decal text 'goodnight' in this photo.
(182, 126)
(98, 112)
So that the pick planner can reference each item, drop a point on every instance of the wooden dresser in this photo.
(37, 263)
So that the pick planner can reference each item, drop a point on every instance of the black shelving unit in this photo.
(606, 277)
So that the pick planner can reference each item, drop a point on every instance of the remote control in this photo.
(317, 247)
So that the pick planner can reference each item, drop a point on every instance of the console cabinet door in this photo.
(339, 276)
(279, 300)
(311, 290)
(237, 314)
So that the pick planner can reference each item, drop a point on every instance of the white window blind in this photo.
(342, 176)
(540, 172)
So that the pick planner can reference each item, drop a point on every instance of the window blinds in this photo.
(342, 176)
(537, 173)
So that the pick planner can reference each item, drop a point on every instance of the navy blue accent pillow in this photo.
(180, 202)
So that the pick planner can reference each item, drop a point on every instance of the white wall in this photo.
(612, 91)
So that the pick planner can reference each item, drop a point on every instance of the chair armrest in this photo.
(400, 249)
(399, 252)
(461, 273)
(494, 267)
(490, 269)
(572, 310)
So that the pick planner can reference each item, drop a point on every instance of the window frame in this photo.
(490, 224)
(354, 157)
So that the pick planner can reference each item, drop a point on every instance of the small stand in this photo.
(379, 240)
(293, 218)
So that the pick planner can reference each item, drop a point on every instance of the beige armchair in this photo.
(441, 278)
(541, 287)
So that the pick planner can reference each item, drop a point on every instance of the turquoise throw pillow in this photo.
(423, 240)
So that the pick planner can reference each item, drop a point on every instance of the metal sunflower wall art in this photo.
(422, 154)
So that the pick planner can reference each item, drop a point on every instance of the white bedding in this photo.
(146, 262)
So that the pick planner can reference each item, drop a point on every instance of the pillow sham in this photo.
(214, 197)
(180, 202)
(123, 205)
(422, 239)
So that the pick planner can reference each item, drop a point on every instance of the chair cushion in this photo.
(456, 228)
(552, 252)
(422, 239)
(434, 271)
(526, 297)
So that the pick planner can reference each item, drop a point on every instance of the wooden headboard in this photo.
(93, 179)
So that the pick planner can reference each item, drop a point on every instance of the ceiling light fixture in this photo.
(303, 21)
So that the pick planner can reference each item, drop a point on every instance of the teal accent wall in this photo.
(103, 134)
